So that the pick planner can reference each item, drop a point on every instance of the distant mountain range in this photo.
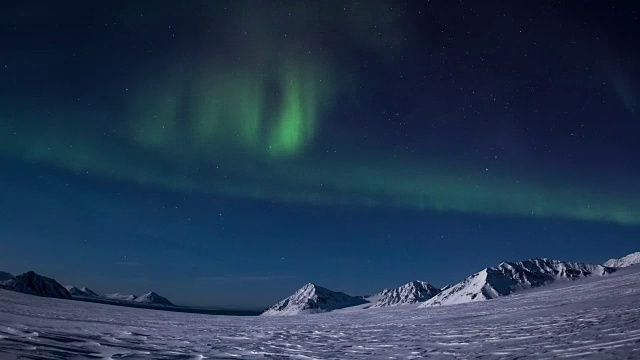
(34, 284)
(150, 298)
(490, 283)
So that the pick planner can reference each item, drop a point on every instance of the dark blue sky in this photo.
(204, 250)
(223, 155)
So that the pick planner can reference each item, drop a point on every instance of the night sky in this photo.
(225, 153)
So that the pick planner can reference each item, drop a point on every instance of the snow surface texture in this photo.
(410, 293)
(625, 261)
(591, 318)
(312, 298)
(509, 277)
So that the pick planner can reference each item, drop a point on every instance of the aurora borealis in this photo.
(231, 110)
(433, 110)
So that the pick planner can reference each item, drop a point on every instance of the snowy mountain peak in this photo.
(311, 298)
(74, 291)
(89, 292)
(84, 292)
(409, 293)
(628, 260)
(509, 277)
(153, 298)
(308, 287)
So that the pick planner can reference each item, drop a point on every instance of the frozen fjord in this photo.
(591, 318)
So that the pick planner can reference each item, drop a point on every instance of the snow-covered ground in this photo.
(595, 318)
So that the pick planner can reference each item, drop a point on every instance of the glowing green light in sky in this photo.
(373, 181)
(297, 119)
(270, 114)
(245, 123)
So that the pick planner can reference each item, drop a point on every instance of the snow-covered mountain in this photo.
(508, 277)
(409, 293)
(154, 299)
(34, 284)
(121, 297)
(150, 298)
(89, 292)
(84, 292)
(312, 298)
(74, 291)
(624, 261)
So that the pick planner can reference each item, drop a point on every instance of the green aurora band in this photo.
(373, 181)
(232, 111)
(246, 128)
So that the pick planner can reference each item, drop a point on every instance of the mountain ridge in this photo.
(489, 283)
(509, 277)
(83, 292)
(410, 293)
(628, 260)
